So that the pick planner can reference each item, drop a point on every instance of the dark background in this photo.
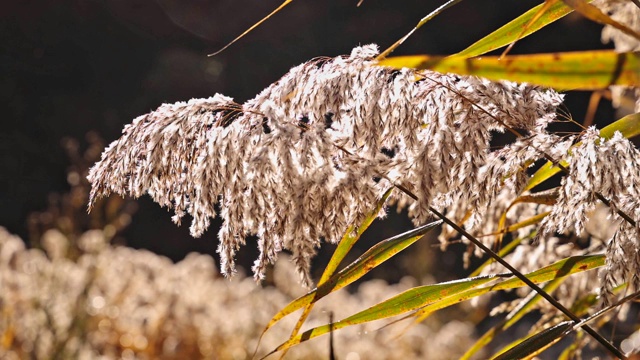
(70, 67)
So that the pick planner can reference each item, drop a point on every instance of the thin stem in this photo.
(285, 3)
(608, 308)
(423, 21)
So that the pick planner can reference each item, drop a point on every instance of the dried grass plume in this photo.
(312, 153)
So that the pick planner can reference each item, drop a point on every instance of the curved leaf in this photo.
(521, 224)
(422, 21)
(404, 302)
(562, 268)
(537, 342)
(438, 296)
(524, 223)
(351, 236)
(518, 28)
(542, 197)
(373, 257)
(523, 308)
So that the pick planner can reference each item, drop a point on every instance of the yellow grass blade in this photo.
(543, 10)
(584, 70)
(556, 270)
(438, 296)
(368, 261)
(536, 343)
(284, 3)
(351, 236)
(521, 27)
(422, 21)
(524, 308)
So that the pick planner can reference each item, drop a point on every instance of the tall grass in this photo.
(313, 157)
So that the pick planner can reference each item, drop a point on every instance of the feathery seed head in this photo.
(306, 157)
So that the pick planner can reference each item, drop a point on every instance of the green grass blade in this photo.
(437, 296)
(629, 127)
(351, 236)
(584, 70)
(404, 302)
(516, 29)
(511, 318)
(565, 267)
(559, 269)
(373, 257)
(543, 174)
(380, 253)
(536, 343)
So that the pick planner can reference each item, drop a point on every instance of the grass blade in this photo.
(438, 296)
(521, 27)
(629, 126)
(368, 261)
(545, 7)
(581, 307)
(542, 197)
(284, 3)
(422, 21)
(559, 269)
(503, 251)
(584, 70)
(351, 236)
(404, 302)
(536, 343)
(524, 308)
(519, 225)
